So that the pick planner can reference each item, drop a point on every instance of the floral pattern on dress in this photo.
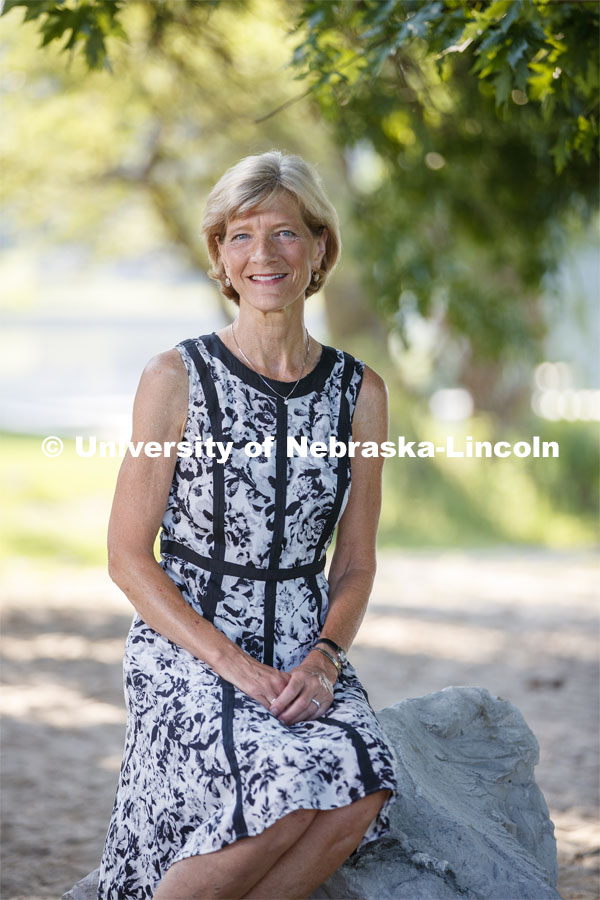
(204, 764)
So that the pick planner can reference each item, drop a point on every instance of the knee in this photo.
(353, 821)
(372, 803)
(289, 829)
(300, 817)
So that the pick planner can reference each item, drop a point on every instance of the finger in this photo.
(274, 685)
(273, 692)
(308, 715)
(286, 697)
(298, 711)
(321, 710)
(315, 709)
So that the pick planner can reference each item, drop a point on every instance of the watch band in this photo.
(339, 650)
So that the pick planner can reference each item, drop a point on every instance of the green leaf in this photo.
(95, 49)
(503, 84)
(56, 25)
(516, 52)
(511, 15)
(521, 75)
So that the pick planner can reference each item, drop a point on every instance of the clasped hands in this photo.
(289, 695)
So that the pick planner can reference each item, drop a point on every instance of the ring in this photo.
(312, 700)
(272, 701)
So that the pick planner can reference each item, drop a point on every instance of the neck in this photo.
(276, 349)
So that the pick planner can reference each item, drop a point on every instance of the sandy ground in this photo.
(523, 624)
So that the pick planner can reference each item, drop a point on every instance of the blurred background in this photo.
(459, 144)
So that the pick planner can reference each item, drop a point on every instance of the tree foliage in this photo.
(85, 23)
(460, 137)
(523, 51)
(471, 133)
(541, 51)
(119, 162)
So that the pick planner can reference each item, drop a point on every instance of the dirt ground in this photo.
(523, 624)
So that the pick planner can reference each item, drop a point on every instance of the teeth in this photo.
(266, 277)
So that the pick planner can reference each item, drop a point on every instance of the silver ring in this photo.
(312, 700)
(272, 701)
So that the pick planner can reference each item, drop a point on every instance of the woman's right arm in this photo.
(159, 414)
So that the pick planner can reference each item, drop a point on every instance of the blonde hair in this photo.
(253, 181)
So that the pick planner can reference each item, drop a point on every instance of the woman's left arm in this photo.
(353, 566)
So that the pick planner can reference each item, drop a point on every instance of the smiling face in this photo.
(269, 254)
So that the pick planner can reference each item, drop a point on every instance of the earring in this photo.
(315, 276)
(227, 282)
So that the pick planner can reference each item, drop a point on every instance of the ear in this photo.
(320, 248)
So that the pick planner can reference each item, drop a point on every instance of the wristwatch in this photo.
(339, 650)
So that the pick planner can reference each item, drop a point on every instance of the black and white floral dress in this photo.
(244, 540)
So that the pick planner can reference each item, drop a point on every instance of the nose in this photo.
(263, 249)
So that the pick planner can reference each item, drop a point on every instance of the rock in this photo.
(86, 889)
(469, 820)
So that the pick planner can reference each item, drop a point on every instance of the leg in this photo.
(319, 852)
(228, 873)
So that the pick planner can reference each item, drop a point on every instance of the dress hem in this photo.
(381, 814)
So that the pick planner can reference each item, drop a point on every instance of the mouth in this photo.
(268, 279)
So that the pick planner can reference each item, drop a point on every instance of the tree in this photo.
(541, 52)
(466, 130)
(93, 152)
(527, 50)
(476, 124)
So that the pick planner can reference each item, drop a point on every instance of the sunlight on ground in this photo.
(521, 623)
(57, 705)
(56, 645)
(455, 642)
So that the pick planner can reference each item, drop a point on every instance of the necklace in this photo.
(285, 397)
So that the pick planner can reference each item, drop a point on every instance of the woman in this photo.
(253, 763)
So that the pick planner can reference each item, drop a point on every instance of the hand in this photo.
(294, 703)
(262, 682)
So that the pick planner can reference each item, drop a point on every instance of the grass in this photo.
(58, 509)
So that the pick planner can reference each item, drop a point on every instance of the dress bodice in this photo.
(275, 512)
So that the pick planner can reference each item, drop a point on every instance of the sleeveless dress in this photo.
(244, 540)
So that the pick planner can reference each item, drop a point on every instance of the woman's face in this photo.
(273, 242)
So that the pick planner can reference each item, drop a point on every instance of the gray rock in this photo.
(469, 820)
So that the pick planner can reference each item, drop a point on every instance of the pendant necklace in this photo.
(285, 397)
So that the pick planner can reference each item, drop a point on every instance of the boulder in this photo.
(469, 820)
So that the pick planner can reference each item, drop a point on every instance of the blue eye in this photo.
(287, 231)
(236, 236)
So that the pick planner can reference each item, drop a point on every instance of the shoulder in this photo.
(166, 364)
(371, 384)
(165, 371)
(370, 390)
(372, 387)
(162, 394)
(371, 410)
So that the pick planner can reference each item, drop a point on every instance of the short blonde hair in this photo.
(253, 181)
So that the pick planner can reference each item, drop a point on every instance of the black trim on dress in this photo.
(313, 381)
(316, 592)
(214, 589)
(169, 547)
(228, 698)
(344, 433)
(278, 529)
(368, 776)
